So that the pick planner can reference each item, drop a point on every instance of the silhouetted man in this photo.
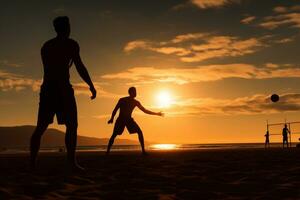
(267, 142)
(126, 106)
(285, 132)
(57, 95)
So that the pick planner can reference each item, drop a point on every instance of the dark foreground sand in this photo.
(202, 174)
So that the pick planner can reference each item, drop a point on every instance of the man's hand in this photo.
(94, 92)
(110, 121)
(161, 114)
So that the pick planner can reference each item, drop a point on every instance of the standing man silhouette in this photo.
(126, 106)
(285, 132)
(267, 141)
(57, 95)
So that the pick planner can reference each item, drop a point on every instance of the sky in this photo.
(209, 65)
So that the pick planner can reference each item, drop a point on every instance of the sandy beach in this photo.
(197, 174)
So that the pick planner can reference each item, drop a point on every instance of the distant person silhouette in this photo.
(267, 141)
(285, 132)
(57, 95)
(126, 106)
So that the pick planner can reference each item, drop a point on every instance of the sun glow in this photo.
(163, 146)
(164, 99)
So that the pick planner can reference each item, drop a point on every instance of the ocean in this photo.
(153, 147)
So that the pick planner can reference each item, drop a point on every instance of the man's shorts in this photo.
(130, 124)
(59, 100)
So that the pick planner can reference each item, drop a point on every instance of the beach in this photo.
(253, 173)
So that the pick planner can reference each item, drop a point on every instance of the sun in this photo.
(164, 99)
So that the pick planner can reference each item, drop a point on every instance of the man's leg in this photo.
(111, 142)
(35, 141)
(71, 142)
(118, 130)
(141, 139)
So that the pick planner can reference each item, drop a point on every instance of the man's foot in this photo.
(144, 153)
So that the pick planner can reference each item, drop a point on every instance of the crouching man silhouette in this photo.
(126, 106)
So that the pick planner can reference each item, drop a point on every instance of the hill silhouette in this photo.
(19, 136)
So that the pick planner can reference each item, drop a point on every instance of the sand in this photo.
(165, 175)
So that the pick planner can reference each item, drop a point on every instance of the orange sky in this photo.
(218, 60)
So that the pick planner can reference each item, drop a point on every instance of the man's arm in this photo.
(84, 74)
(142, 108)
(114, 113)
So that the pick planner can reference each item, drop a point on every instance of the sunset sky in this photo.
(210, 65)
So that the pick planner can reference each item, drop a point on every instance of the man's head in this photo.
(62, 26)
(285, 125)
(132, 92)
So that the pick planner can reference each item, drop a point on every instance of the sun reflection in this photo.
(164, 146)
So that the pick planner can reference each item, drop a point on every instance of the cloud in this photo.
(188, 37)
(283, 9)
(104, 116)
(280, 9)
(284, 40)
(148, 75)
(137, 44)
(4, 74)
(272, 65)
(15, 82)
(204, 4)
(9, 81)
(172, 50)
(284, 16)
(183, 75)
(7, 63)
(248, 20)
(256, 104)
(222, 46)
(197, 47)
(83, 88)
(272, 22)
(152, 46)
(180, 76)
